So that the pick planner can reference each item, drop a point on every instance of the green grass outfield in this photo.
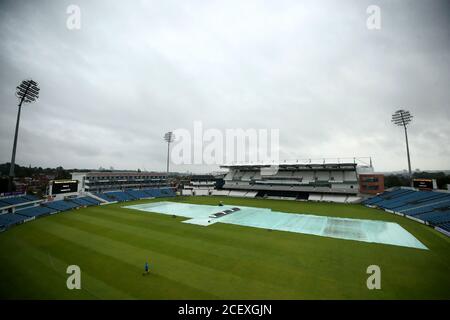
(221, 261)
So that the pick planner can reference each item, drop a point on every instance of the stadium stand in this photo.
(133, 194)
(315, 197)
(199, 185)
(138, 194)
(220, 192)
(155, 193)
(120, 196)
(331, 182)
(36, 211)
(445, 227)
(251, 194)
(334, 198)
(36, 208)
(104, 196)
(429, 207)
(234, 193)
(85, 201)
(201, 192)
(9, 201)
(167, 192)
(104, 181)
(353, 199)
(60, 205)
(9, 219)
(186, 192)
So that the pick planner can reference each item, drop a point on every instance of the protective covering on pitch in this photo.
(341, 228)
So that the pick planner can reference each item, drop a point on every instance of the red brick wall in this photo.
(371, 183)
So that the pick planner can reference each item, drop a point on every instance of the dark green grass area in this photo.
(111, 244)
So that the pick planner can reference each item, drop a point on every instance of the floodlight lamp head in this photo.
(401, 117)
(169, 137)
(27, 91)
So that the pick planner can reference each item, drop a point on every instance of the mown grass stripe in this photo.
(219, 261)
(280, 271)
(191, 274)
(203, 254)
(107, 284)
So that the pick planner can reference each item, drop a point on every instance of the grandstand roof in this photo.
(294, 166)
(121, 173)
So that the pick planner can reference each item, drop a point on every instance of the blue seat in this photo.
(379, 200)
(445, 226)
(105, 197)
(119, 196)
(85, 201)
(138, 194)
(35, 211)
(10, 219)
(61, 205)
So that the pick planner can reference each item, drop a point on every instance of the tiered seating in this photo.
(410, 199)
(35, 211)
(167, 192)
(138, 194)
(10, 219)
(105, 196)
(24, 206)
(247, 176)
(26, 212)
(92, 200)
(315, 197)
(186, 192)
(352, 199)
(251, 194)
(220, 192)
(201, 192)
(334, 198)
(234, 193)
(153, 192)
(120, 196)
(428, 206)
(85, 201)
(17, 200)
(445, 226)
(60, 205)
(31, 197)
(387, 195)
(132, 194)
(427, 199)
(3, 204)
(435, 217)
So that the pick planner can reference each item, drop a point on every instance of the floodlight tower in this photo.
(403, 118)
(28, 92)
(168, 137)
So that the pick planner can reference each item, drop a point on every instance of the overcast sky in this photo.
(312, 69)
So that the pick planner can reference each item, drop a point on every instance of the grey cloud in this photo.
(313, 70)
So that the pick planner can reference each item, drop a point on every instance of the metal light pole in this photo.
(403, 118)
(28, 92)
(168, 137)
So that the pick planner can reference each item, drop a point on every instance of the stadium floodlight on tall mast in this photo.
(28, 92)
(403, 118)
(169, 137)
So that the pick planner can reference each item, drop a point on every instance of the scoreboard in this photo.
(424, 184)
(64, 186)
